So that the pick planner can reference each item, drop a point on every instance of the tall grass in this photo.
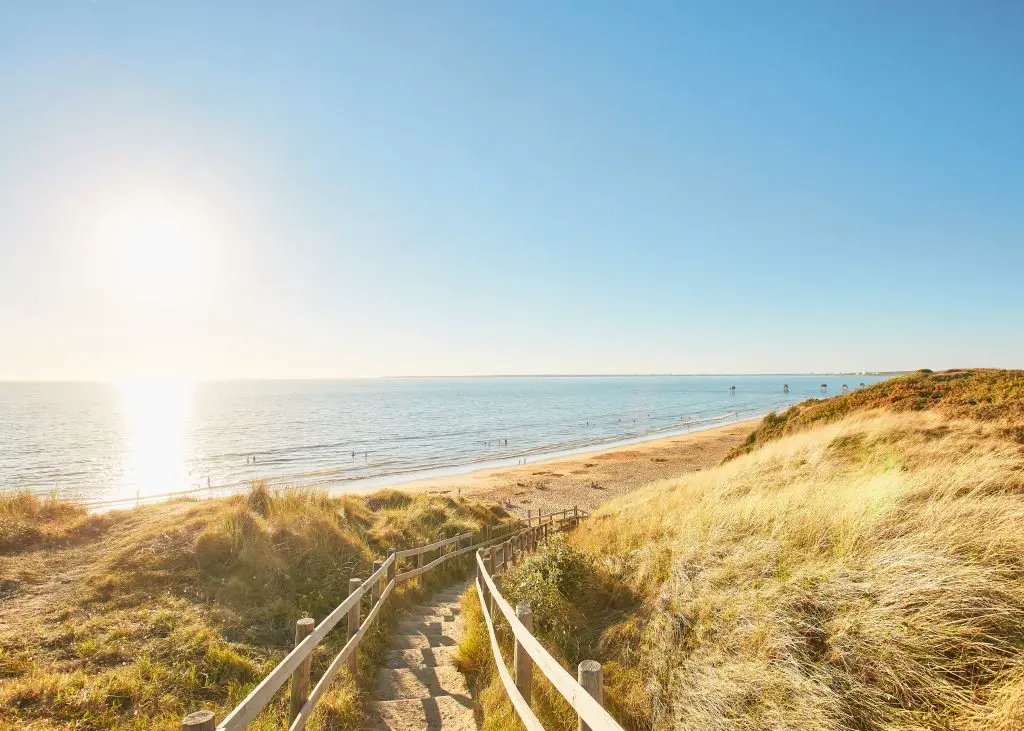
(177, 607)
(28, 520)
(983, 394)
(865, 573)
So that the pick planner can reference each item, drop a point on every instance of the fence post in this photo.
(576, 511)
(199, 721)
(591, 677)
(529, 516)
(489, 565)
(512, 549)
(375, 589)
(393, 568)
(300, 676)
(353, 625)
(521, 662)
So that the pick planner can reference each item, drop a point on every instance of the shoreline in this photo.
(412, 478)
(402, 479)
(593, 477)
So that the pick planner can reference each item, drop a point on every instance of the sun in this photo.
(157, 252)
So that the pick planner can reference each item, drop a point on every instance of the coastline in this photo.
(452, 474)
(589, 478)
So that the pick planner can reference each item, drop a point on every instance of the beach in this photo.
(592, 478)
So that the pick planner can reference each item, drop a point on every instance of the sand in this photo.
(587, 480)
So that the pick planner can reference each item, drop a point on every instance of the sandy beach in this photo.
(590, 479)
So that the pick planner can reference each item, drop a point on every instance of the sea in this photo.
(137, 441)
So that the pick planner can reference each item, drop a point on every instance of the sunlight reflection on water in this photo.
(156, 414)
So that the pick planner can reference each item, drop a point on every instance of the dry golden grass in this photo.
(27, 520)
(866, 574)
(132, 619)
(984, 394)
(862, 574)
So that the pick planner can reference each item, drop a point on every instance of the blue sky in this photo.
(324, 190)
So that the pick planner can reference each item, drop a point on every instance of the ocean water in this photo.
(140, 441)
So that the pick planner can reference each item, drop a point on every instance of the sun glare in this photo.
(156, 414)
(157, 253)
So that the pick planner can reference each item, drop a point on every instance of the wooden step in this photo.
(423, 658)
(409, 617)
(420, 641)
(415, 627)
(402, 683)
(443, 712)
(443, 609)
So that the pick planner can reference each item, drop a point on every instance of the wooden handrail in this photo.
(321, 687)
(248, 709)
(246, 712)
(437, 544)
(521, 704)
(589, 709)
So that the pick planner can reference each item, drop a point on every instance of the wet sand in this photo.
(590, 479)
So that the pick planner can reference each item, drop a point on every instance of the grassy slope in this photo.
(131, 619)
(983, 394)
(863, 570)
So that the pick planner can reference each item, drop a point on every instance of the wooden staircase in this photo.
(419, 686)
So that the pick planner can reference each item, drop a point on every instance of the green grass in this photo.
(573, 604)
(132, 619)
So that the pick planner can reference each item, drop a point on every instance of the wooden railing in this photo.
(585, 693)
(296, 664)
(575, 513)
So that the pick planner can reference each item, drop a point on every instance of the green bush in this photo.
(555, 581)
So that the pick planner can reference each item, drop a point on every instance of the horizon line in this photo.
(463, 376)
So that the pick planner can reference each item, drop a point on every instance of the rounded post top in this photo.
(354, 584)
(589, 667)
(198, 721)
(305, 622)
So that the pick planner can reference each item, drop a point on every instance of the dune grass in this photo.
(865, 574)
(984, 394)
(28, 520)
(132, 619)
(862, 570)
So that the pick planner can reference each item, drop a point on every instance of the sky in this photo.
(319, 190)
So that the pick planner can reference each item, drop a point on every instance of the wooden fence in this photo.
(585, 693)
(296, 664)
